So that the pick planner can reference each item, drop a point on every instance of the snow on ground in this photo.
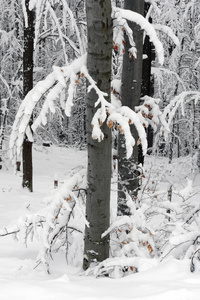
(170, 279)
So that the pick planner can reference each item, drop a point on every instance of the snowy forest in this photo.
(100, 149)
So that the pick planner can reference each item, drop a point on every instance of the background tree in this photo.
(55, 27)
(60, 38)
(147, 87)
(181, 71)
(10, 67)
(27, 86)
(130, 96)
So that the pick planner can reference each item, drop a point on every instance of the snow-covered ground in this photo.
(170, 279)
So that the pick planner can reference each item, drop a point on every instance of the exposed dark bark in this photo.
(130, 93)
(147, 87)
(99, 154)
(27, 86)
(1, 138)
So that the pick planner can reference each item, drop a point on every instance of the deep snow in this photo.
(170, 279)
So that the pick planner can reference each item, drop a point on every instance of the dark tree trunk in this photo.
(1, 137)
(99, 154)
(130, 93)
(147, 87)
(27, 86)
(3, 119)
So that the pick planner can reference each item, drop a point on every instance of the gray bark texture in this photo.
(130, 96)
(27, 180)
(99, 154)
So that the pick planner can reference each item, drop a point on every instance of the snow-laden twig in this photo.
(6, 84)
(124, 116)
(154, 6)
(74, 26)
(39, 8)
(43, 9)
(180, 101)
(53, 15)
(25, 13)
(160, 72)
(121, 26)
(168, 31)
(149, 113)
(197, 63)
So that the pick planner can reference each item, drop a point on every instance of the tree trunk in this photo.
(1, 137)
(147, 87)
(130, 93)
(99, 154)
(3, 120)
(27, 86)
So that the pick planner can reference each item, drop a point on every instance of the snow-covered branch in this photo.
(43, 9)
(149, 113)
(132, 234)
(168, 31)
(122, 15)
(180, 101)
(50, 88)
(6, 84)
(159, 73)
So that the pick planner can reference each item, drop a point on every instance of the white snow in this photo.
(169, 279)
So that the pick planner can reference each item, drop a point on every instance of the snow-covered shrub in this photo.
(54, 226)
(115, 267)
(171, 211)
(130, 235)
(164, 221)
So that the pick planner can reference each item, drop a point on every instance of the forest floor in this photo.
(19, 280)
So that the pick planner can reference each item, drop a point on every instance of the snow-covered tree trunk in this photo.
(27, 86)
(130, 96)
(99, 154)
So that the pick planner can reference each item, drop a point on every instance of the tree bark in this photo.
(130, 95)
(1, 138)
(27, 86)
(99, 154)
(147, 87)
